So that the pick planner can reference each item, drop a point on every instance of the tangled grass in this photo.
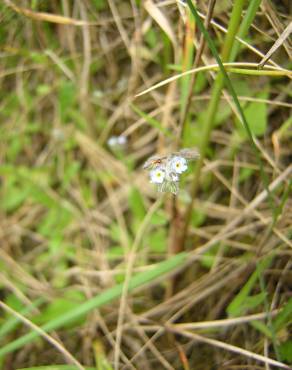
(98, 270)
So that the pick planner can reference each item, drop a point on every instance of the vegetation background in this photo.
(99, 270)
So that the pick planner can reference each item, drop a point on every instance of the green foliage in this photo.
(67, 99)
(159, 218)
(100, 4)
(70, 300)
(8, 323)
(201, 83)
(208, 258)
(286, 351)
(137, 208)
(157, 241)
(100, 300)
(243, 302)
(100, 357)
(198, 217)
(151, 121)
(256, 114)
(245, 174)
(151, 38)
(284, 318)
(262, 328)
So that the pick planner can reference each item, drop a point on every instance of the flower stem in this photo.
(212, 108)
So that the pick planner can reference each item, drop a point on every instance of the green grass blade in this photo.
(244, 27)
(234, 96)
(214, 100)
(237, 305)
(151, 121)
(187, 62)
(107, 296)
(284, 318)
(12, 323)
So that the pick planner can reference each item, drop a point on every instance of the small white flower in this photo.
(178, 164)
(157, 176)
(122, 140)
(112, 141)
(115, 141)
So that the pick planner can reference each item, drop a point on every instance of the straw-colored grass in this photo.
(99, 270)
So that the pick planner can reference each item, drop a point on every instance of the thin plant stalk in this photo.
(246, 23)
(230, 87)
(187, 61)
(213, 106)
(186, 107)
(187, 87)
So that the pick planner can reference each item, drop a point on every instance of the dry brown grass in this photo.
(78, 217)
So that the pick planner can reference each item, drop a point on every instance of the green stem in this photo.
(246, 22)
(256, 72)
(213, 105)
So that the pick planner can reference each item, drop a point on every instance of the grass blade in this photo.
(12, 323)
(232, 93)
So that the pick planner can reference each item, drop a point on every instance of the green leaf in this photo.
(157, 241)
(115, 252)
(256, 115)
(100, 4)
(71, 171)
(244, 27)
(12, 323)
(159, 218)
(54, 221)
(242, 301)
(137, 204)
(14, 197)
(150, 38)
(72, 299)
(201, 83)
(253, 301)
(116, 233)
(192, 134)
(67, 98)
(43, 89)
(137, 208)
(80, 122)
(284, 317)
(261, 327)
(245, 174)
(285, 350)
(207, 258)
(198, 217)
(151, 121)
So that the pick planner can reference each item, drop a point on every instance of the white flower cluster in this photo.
(165, 172)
